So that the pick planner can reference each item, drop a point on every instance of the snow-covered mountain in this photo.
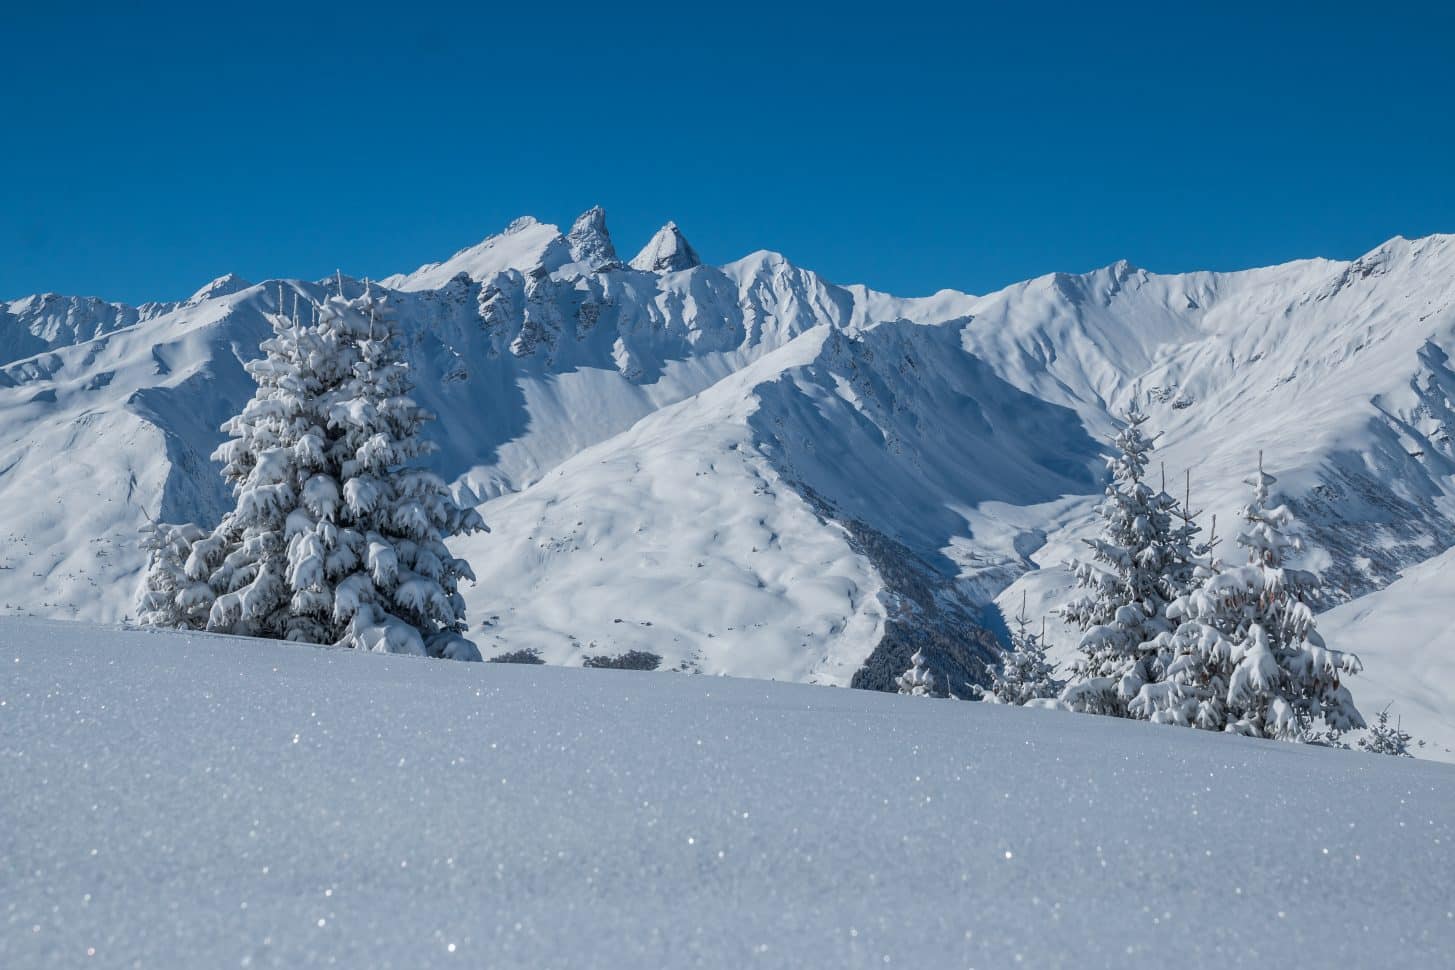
(748, 469)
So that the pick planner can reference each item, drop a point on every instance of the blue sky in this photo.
(146, 151)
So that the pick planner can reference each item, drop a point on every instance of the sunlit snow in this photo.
(194, 801)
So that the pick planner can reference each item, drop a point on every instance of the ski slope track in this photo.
(180, 800)
(747, 469)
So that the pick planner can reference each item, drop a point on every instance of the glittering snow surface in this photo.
(192, 801)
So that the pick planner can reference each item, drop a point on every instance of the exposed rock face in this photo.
(590, 242)
(668, 252)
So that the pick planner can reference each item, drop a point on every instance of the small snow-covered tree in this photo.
(919, 680)
(170, 598)
(1024, 673)
(1140, 564)
(335, 537)
(1247, 656)
(1383, 739)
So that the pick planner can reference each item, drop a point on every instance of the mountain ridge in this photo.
(942, 450)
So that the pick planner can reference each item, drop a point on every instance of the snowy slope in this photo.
(1339, 372)
(680, 538)
(186, 801)
(783, 477)
(1407, 643)
(1335, 370)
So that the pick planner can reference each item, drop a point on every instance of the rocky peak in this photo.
(590, 242)
(668, 252)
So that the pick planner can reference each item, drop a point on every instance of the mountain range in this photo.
(747, 469)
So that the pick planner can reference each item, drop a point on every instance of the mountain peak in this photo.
(526, 244)
(668, 252)
(589, 240)
(225, 285)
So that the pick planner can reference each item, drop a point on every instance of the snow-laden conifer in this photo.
(1140, 563)
(1383, 739)
(919, 679)
(1247, 656)
(1024, 674)
(170, 598)
(1192, 692)
(335, 538)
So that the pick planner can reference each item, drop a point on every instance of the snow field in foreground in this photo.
(190, 801)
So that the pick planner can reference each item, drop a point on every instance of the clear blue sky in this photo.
(910, 147)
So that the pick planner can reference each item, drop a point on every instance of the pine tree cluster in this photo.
(1173, 635)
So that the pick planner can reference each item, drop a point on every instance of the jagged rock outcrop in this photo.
(590, 242)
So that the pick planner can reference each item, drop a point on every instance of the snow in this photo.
(185, 800)
(1407, 643)
(679, 538)
(667, 252)
(43, 322)
(845, 454)
(225, 285)
(590, 241)
(525, 242)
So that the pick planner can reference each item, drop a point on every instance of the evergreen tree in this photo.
(335, 537)
(1194, 688)
(919, 680)
(170, 598)
(1024, 673)
(1140, 564)
(1247, 655)
(1383, 739)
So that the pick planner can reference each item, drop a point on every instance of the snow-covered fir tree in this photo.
(1190, 692)
(1024, 674)
(919, 679)
(1383, 739)
(1142, 561)
(170, 598)
(335, 537)
(1247, 656)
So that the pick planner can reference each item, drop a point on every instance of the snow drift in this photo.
(185, 800)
